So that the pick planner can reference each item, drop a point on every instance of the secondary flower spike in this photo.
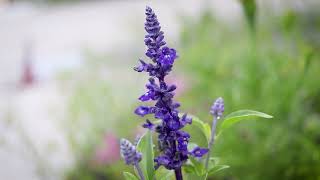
(131, 156)
(216, 110)
(129, 153)
(173, 142)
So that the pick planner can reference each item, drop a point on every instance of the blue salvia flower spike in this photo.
(173, 142)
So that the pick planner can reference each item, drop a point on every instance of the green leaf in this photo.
(198, 166)
(214, 166)
(194, 177)
(129, 176)
(237, 116)
(145, 146)
(164, 174)
(217, 168)
(213, 161)
(189, 168)
(194, 169)
(199, 131)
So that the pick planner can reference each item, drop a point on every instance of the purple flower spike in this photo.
(129, 153)
(173, 142)
(154, 39)
(199, 152)
(217, 108)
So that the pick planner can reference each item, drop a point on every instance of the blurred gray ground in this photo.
(30, 118)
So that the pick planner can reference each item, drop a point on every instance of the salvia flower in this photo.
(216, 110)
(129, 153)
(172, 141)
(198, 152)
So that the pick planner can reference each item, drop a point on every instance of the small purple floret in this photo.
(199, 152)
(167, 56)
(142, 111)
(149, 125)
(217, 108)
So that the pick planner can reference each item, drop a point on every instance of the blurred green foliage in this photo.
(99, 105)
(250, 10)
(274, 70)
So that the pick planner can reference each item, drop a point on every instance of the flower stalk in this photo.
(138, 168)
(217, 110)
(172, 140)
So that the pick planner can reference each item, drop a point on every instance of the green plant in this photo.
(276, 70)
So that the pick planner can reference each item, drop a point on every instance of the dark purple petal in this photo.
(152, 81)
(172, 88)
(175, 105)
(199, 152)
(142, 110)
(142, 67)
(186, 120)
(145, 97)
(139, 68)
(167, 56)
(184, 135)
(182, 144)
(162, 160)
(174, 125)
(176, 164)
(149, 125)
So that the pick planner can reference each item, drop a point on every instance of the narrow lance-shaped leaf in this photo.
(240, 115)
(129, 176)
(199, 129)
(145, 145)
(217, 168)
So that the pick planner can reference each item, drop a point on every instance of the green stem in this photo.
(213, 133)
(139, 171)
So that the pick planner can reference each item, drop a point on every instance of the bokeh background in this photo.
(68, 89)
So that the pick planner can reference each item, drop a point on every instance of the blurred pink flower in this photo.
(27, 76)
(108, 152)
